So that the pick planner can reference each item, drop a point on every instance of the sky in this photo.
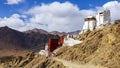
(53, 15)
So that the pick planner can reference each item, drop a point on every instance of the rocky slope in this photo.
(31, 60)
(100, 47)
(11, 41)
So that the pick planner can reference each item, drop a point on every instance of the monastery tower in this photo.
(89, 24)
(99, 21)
(103, 18)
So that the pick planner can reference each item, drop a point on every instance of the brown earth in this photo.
(100, 47)
(31, 60)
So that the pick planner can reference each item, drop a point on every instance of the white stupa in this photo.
(90, 24)
(99, 21)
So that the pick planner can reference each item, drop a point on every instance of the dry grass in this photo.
(100, 47)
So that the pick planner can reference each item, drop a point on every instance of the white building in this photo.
(90, 24)
(101, 20)
(71, 41)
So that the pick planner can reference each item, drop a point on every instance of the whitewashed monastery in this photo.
(91, 23)
(99, 21)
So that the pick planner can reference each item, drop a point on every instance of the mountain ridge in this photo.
(14, 41)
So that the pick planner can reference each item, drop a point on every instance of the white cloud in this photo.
(57, 16)
(10, 2)
(114, 7)
(14, 22)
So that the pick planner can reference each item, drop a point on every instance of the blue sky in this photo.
(51, 15)
(7, 10)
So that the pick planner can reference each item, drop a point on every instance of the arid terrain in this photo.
(99, 49)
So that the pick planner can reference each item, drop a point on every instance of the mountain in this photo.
(74, 32)
(35, 30)
(58, 33)
(11, 38)
(64, 33)
(13, 42)
(37, 38)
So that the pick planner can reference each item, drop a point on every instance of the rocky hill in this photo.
(30, 60)
(99, 47)
(13, 42)
(39, 31)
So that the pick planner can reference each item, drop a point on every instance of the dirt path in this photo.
(75, 65)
